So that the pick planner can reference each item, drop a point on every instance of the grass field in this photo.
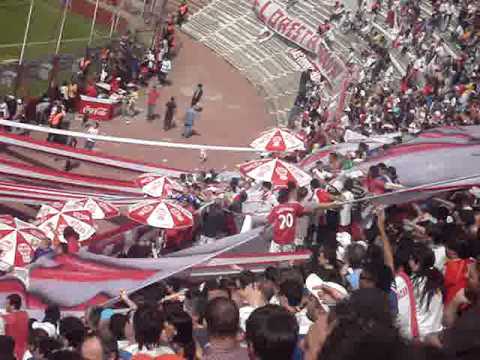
(44, 27)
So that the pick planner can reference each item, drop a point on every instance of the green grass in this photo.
(44, 26)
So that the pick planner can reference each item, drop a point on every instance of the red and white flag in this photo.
(164, 214)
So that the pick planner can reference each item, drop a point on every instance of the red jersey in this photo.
(283, 217)
(16, 326)
(153, 96)
(455, 278)
(73, 246)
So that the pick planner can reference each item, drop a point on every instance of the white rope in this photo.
(125, 140)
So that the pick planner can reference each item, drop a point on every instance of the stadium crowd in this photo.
(393, 282)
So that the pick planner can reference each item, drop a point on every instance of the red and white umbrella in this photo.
(278, 140)
(276, 171)
(164, 214)
(55, 217)
(18, 240)
(98, 208)
(158, 185)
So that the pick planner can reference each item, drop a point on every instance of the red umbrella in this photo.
(158, 185)
(55, 217)
(18, 240)
(278, 140)
(276, 171)
(164, 214)
(98, 208)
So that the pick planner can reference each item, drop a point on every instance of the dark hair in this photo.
(73, 330)
(291, 185)
(348, 184)
(272, 273)
(148, 326)
(117, 326)
(380, 274)
(47, 346)
(222, 317)
(272, 332)
(282, 196)
(433, 278)
(292, 290)
(70, 232)
(15, 300)
(302, 193)
(457, 242)
(246, 278)
(355, 254)
(184, 336)
(267, 185)
(314, 183)
(373, 171)
(52, 314)
(7, 345)
(65, 355)
(364, 330)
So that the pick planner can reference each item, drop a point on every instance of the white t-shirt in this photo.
(405, 302)
(429, 317)
(92, 131)
(346, 211)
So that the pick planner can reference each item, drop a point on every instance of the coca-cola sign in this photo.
(99, 111)
(96, 110)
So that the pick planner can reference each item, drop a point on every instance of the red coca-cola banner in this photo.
(97, 109)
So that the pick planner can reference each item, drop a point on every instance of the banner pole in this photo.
(25, 36)
(62, 25)
(92, 28)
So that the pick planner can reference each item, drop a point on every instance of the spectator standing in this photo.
(7, 346)
(427, 287)
(153, 95)
(72, 239)
(169, 114)
(165, 69)
(55, 121)
(189, 121)
(15, 323)
(222, 317)
(148, 325)
(182, 13)
(92, 130)
(197, 95)
(271, 333)
(283, 217)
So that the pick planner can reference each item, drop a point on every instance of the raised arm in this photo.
(387, 247)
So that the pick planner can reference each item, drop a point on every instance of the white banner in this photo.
(298, 32)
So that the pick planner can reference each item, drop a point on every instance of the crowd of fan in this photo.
(438, 87)
(401, 283)
(387, 299)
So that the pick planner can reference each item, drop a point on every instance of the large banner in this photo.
(298, 32)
